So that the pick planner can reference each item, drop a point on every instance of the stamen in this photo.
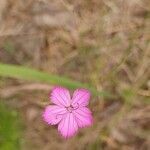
(70, 108)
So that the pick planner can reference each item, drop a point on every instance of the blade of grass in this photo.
(20, 72)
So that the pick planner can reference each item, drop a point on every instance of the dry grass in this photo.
(103, 42)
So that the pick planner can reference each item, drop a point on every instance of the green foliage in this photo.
(20, 72)
(9, 129)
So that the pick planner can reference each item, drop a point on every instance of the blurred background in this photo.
(104, 43)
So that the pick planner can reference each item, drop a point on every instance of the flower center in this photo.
(71, 108)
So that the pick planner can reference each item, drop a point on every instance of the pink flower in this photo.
(69, 113)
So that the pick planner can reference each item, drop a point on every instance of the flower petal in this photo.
(60, 96)
(81, 97)
(83, 117)
(68, 126)
(53, 114)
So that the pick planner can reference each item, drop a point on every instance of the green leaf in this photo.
(20, 72)
(10, 128)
